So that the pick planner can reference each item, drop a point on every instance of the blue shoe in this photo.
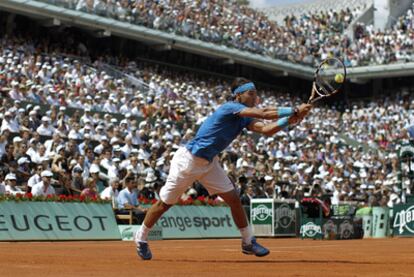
(254, 249)
(143, 251)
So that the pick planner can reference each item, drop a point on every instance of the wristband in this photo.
(284, 111)
(282, 123)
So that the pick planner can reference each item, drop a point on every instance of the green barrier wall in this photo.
(273, 217)
(262, 216)
(285, 218)
(57, 221)
(198, 222)
(128, 232)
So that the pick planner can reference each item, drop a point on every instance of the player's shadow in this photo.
(267, 261)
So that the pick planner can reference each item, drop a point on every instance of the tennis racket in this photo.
(329, 79)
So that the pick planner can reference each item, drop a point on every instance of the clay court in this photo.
(288, 257)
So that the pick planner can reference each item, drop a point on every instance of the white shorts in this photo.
(186, 168)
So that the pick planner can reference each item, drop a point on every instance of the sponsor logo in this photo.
(261, 212)
(310, 229)
(127, 233)
(404, 220)
(284, 216)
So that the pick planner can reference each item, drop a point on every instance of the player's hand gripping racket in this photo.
(329, 79)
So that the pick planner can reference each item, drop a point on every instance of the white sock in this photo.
(246, 234)
(142, 234)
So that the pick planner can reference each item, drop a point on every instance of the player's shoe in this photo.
(143, 251)
(254, 249)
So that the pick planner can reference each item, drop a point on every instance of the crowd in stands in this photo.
(279, 12)
(306, 37)
(117, 133)
(394, 45)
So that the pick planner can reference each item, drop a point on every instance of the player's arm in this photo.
(269, 129)
(275, 113)
(268, 113)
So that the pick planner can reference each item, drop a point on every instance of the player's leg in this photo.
(182, 174)
(151, 217)
(249, 243)
(141, 236)
(239, 215)
(217, 182)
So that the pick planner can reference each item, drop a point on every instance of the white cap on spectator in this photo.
(116, 160)
(60, 147)
(114, 140)
(45, 118)
(23, 160)
(46, 173)
(94, 169)
(142, 124)
(17, 139)
(10, 176)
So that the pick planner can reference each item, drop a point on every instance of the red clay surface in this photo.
(288, 257)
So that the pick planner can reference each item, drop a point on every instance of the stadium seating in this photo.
(227, 23)
(166, 116)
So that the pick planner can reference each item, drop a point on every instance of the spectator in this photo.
(111, 192)
(44, 187)
(2, 187)
(77, 181)
(34, 179)
(90, 189)
(11, 187)
(128, 199)
(247, 196)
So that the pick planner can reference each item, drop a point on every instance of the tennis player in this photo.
(198, 160)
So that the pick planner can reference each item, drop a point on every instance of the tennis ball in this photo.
(339, 78)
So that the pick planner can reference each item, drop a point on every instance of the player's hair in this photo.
(238, 81)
